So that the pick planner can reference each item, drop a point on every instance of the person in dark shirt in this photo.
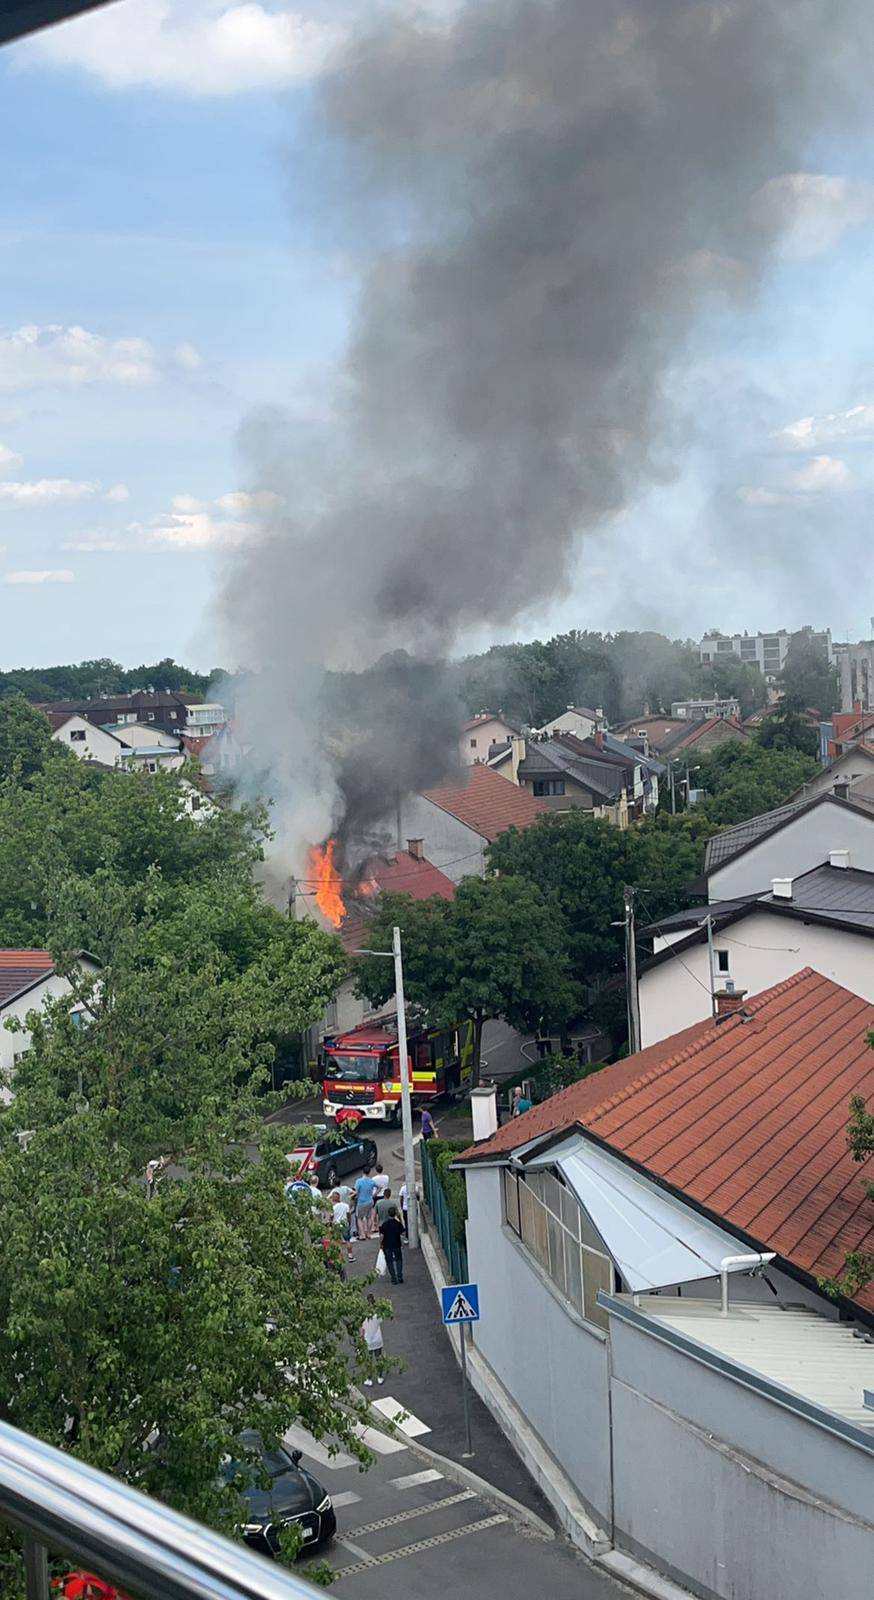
(391, 1234)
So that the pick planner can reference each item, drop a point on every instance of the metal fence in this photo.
(61, 1507)
(438, 1207)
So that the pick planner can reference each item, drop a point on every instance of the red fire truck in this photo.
(361, 1071)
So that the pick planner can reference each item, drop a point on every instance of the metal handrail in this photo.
(62, 1505)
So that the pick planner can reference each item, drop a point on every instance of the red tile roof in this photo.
(399, 874)
(486, 802)
(20, 969)
(747, 1118)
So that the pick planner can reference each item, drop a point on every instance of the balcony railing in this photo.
(62, 1507)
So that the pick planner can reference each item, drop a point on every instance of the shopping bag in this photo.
(381, 1267)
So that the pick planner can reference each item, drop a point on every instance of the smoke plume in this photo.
(549, 195)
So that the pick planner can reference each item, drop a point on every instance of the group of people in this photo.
(363, 1210)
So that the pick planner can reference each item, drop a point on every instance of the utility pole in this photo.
(710, 965)
(633, 997)
(406, 1104)
(673, 795)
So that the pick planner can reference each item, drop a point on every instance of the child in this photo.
(371, 1331)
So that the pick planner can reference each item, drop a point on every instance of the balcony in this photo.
(63, 1508)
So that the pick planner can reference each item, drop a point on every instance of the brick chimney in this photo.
(416, 848)
(728, 1000)
(598, 737)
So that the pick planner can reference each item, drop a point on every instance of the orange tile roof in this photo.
(747, 1118)
(486, 802)
(19, 969)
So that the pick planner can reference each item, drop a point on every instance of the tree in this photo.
(808, 681)
(582, 864)
(743, 779)
(26, 744)
(499, 949)
(858, 1268)
(733, 679)
(144, 1330)
(787, 730)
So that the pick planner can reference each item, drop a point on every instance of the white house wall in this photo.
(449, 844)
(552, 1363)
(96, 745)
(802, 844)
(762, 950)
(13, 1044)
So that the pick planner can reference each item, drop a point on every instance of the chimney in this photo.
(728, 1000)
(598, 737)
(416, 847)
(781, 888)
(841, 790)
(839, 858)
(517, 755)
(484, 1110)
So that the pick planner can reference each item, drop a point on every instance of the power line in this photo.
(705, 986)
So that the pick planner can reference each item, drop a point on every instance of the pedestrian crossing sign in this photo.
(460, 1302)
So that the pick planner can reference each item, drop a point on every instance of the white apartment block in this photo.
(767, 651)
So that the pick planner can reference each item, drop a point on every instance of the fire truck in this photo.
(361, 1069)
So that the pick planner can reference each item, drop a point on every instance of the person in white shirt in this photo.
(403, 1196)
(371, 1333)
(340, 1217)
(382, 1181)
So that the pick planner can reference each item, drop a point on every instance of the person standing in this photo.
(404, 1197)
(392, 1234)
(382, 1180)
(340, 1219)
(383, 1207)
(371, 1333)
(365, 1189)
(521, 1103)
(429, 1126)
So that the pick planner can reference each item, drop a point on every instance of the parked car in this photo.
(293, 1496)
(332, 1157)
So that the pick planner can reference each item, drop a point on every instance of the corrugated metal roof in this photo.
(810, 1355)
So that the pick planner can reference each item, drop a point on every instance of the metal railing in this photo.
(63, 1507)
(438, 1208)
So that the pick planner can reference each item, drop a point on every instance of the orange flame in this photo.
(329, 884)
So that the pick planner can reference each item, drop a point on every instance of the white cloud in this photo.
(44, 491)
(811, 210)
(51, 575)
(830, 428)
(94, 546)
(58, 357)
(8, 458)
(117, 494)
(192, 48)
(187, 357)
(759, 496)
(820, 472)
(191, 524)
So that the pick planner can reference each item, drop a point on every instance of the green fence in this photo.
(453, 1249)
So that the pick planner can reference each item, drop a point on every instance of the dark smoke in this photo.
(559, 192)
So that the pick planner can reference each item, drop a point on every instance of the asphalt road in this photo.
(406, 1528)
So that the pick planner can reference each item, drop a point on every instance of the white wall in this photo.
(474, 744)
(572, 722)
(447, 843)
(95, 746)
(13, 1044)
(763, 949)
(552, 1363)
(141, 735)
(803, 843)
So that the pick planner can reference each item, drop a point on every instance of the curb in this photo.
(592, 1541)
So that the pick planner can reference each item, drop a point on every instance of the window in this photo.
(173, 715)
(723, 646)
(150, 715)
(549, 1221)
(473, 744)
(78, 735)
(722, 960)
(548, 786)
(152, 766)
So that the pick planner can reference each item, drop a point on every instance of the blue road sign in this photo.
(460, 1302)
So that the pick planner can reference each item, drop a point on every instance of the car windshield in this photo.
(353, 1069)
(272, 1462)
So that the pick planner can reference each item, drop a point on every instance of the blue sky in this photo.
(167, 267)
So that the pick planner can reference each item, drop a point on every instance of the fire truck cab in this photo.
(361, 1068)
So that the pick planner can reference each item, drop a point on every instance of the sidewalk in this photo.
(429, 1385)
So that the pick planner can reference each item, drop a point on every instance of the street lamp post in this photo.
(395, 955)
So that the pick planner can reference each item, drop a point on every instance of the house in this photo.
(87, 741)
(456, 822)
(654, 732)
(705, 710)
(701, 737)
(579, 720)
(405, 872)
(166, 709)
(849, 728)
(767, 651)
(786, 842)
(27, 979)
(649, 1247)
(149, 749)
(849, 774)
(823, 919)
(480, 733)
(602, 775)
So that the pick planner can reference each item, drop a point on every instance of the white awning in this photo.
(654, 1239)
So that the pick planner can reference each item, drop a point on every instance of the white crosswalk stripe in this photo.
(414, 1479)
(347, 1497)
(298, 1438)
(379, 1443)
(409, 1424)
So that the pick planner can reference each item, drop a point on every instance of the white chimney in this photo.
(484, 1109)
(839, 858)
(781, 888)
